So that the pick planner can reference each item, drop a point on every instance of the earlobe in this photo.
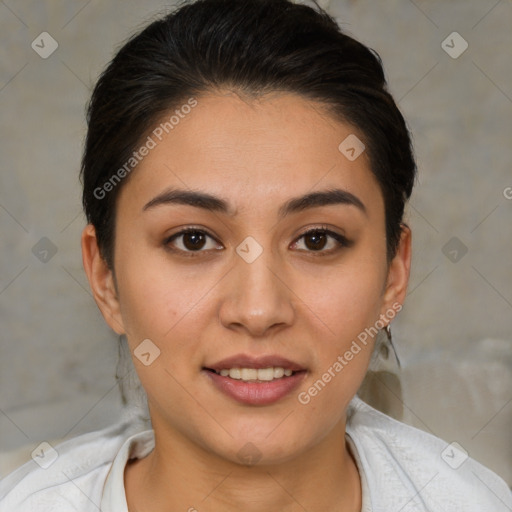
(399, 271)
(101, 280)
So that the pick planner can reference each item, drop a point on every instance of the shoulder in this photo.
(408, 469)
(69, 476)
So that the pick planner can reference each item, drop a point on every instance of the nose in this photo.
(256, 298)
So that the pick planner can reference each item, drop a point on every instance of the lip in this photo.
(255, 393)
(247, 361)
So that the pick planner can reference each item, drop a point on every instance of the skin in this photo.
(291, 301)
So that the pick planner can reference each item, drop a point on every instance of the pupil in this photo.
(193, 240)
(317, 240)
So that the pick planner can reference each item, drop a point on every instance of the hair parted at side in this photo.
(252, 47)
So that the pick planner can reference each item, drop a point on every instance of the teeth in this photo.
(278, 373)
(265, 374)
(247, 374)
(262, 374)
(235, 373)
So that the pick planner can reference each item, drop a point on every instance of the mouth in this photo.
(255, 381)
(255, 374)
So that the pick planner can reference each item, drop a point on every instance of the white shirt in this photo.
(402, 469)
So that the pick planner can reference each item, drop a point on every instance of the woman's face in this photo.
(248, 288)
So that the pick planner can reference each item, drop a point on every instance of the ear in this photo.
(101, 280)
(398, 272)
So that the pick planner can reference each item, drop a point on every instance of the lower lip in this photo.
(256, 393)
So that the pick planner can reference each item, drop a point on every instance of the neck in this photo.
(179, 475)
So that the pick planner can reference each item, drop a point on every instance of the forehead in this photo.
(252, 151)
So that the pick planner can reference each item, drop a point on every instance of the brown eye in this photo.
(194, 240)
(315, 240)
(321, 241)
(191, 240)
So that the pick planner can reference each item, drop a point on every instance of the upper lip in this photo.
(247, 361)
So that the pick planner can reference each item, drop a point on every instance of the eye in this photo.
(191, 240)
(194, 240)
(321, 240)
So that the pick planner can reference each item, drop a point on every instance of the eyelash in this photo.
(340, 239)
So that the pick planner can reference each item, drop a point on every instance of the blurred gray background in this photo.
(454, 335)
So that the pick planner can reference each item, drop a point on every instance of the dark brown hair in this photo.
(252, 47)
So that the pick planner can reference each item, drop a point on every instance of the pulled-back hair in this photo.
(252, 47)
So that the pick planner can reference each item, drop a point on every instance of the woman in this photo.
(245, 175)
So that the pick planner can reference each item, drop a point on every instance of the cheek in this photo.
(347, 301)
(348, 309)
(345, 305)
(167, 303)
(152, 298)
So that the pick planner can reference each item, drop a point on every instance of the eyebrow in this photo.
(294, 205)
